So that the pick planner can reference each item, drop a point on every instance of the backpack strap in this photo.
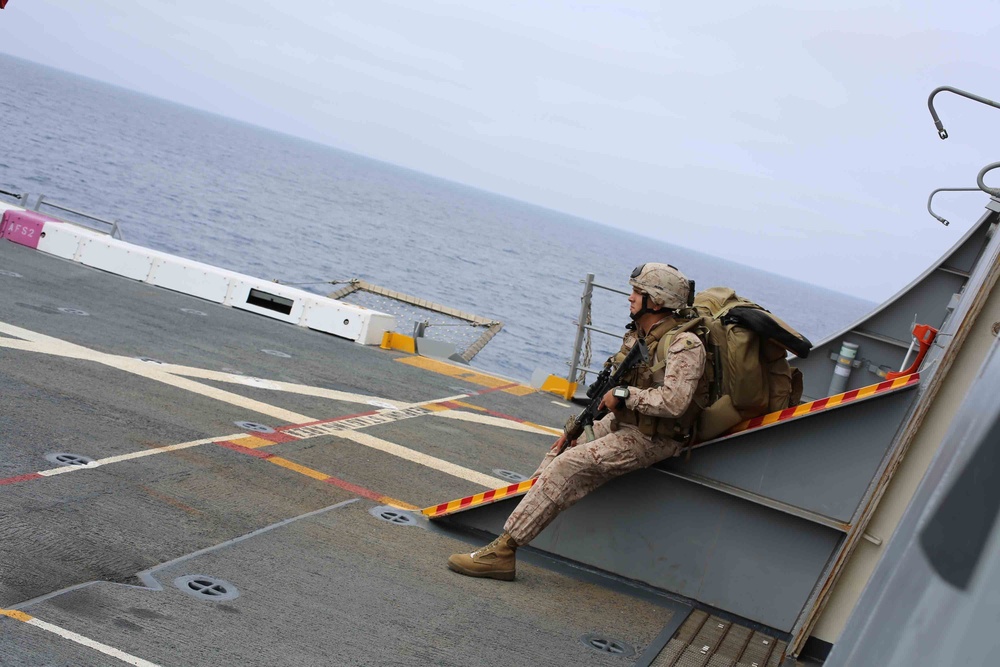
(665, 340)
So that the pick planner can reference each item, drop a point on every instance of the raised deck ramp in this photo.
(761, 524)
(747, 525)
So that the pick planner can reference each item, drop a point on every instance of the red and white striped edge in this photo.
(828, 403)
(788, 414)
(479, 499)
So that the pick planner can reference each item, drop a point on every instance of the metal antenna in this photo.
(939, 218)
(937, 121)
(982, 186)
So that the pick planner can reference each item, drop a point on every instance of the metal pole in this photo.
(842, 371)
(588, 290)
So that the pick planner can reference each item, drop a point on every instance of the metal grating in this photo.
(206, 587)
(467, 332)
(609, 646)
(68, 459)
(509, 475)
(393, 515)
(255, 427)
(709, 641)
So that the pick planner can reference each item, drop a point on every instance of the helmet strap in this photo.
(646, 309)
(642, 311)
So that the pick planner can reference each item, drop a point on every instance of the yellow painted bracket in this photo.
(559, 386)
(397, 341)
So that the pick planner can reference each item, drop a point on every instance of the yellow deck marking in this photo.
(470, 406)
(19, 615)
(463, 373)
(253, 442)
(292, 465)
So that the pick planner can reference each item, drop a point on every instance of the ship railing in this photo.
(110, 227)
(21, 197)
(579, 364)
(113, 228)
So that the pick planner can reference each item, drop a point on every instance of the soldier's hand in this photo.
(609, 401)
(560, 444)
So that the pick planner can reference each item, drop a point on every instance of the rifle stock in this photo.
(604, 383)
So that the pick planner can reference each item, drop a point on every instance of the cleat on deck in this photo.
(494, 561)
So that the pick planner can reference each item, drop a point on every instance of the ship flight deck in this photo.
(157, 447)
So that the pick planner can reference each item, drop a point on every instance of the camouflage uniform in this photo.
(618, 446)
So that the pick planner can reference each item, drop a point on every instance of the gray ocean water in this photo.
(273, 206)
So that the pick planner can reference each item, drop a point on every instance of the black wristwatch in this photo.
(620, 393)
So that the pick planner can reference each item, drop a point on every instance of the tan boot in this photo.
(495, 560)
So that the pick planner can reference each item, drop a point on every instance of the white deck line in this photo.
(500, 422)
(42, 344)
(127, 658)
(422, 459)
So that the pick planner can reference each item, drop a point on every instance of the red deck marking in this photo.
(21, 478)
(244, 450)
(504, 416)
(354, 488)
(288, 427)
(347, 486)
(276, 437)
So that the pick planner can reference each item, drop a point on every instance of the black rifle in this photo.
(605, 381)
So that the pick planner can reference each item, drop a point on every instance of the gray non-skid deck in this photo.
(322, 580)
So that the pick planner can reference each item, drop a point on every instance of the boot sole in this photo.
(502, 575)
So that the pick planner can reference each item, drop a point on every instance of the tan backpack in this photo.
(748, 371)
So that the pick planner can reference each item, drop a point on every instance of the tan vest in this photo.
(645, 376)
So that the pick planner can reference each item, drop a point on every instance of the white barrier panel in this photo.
(256, 295)
(194, 278)
(63, 240)
(114, 256)
(374, 328)
(344, 319)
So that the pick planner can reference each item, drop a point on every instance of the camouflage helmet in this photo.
(665, 285)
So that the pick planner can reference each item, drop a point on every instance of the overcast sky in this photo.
(791, 136)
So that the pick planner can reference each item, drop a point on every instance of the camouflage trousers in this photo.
(565, 479)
